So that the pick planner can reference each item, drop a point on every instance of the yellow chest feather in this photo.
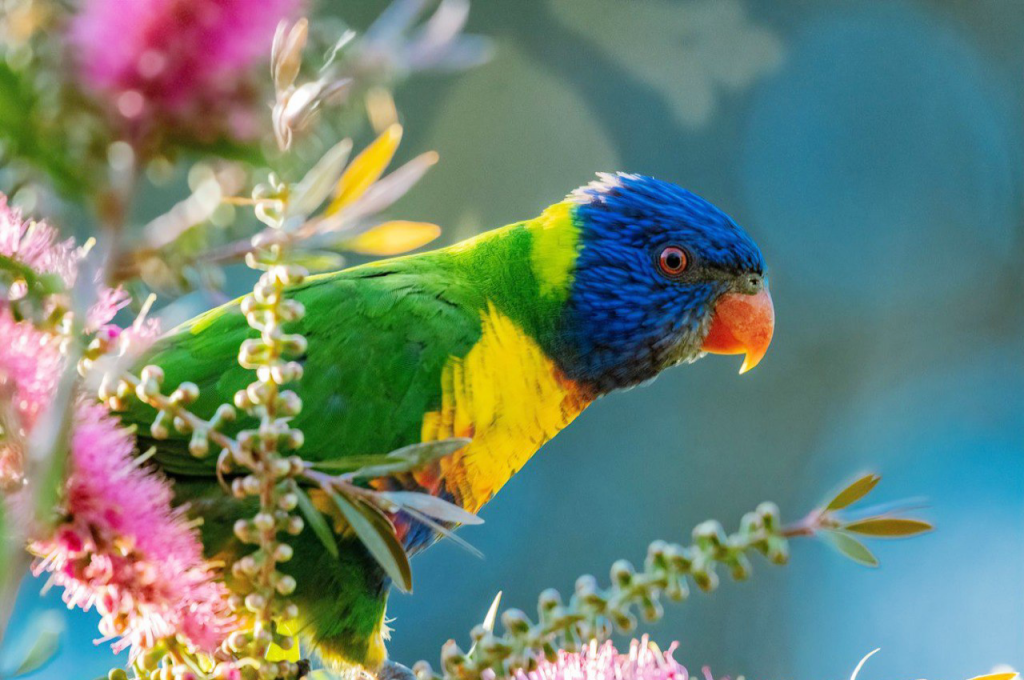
(509, 398)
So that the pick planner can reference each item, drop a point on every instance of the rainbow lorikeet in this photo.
(504, 339)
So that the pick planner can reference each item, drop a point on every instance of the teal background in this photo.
(874, 150)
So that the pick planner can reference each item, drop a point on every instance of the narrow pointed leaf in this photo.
(350, 463)
(854, 492)
(393, 238)
(432, 506)
(366, 169)
(286, 52)
(316, 186)
(889, 527)
(378, 535)
(492, 613)
(856, 671)
(411, 457)
(489, 620)
(386, 191)
(427, 451)
(852, 548)
(317, 260)
(44, 645)
(316, 521)
(50, 441)
(444, 531)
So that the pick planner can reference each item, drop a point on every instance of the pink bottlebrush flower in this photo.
(30, 365)
(122, 547)
(603, 662)
(179, 61)
(30, 358)
(125, 550)
(36, 244)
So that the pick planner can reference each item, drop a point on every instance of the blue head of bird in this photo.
(661, 277)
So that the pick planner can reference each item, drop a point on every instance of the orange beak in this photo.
(742, 324)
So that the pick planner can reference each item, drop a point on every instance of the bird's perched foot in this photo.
(392, 670)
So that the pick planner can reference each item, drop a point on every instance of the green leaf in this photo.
(443, 530)
(412, 457)
(852, 548)
(316, 521)
(489, 620)
(889, 527)
(44, 646)
(432, 506)
(318, 183)
(856, 671)
(348, 463)
(854, 492)
(492, 614)
(317, 260)
(378, 535)
(405, 459)
(51, 440)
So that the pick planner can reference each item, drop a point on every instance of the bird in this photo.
(503, 339)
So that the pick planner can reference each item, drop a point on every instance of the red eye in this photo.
(672, 261)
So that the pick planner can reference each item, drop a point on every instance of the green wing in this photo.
(378, 337)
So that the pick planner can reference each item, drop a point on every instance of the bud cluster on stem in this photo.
(263, 465)
(592, 612)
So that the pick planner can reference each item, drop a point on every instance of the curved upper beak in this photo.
(742, 324)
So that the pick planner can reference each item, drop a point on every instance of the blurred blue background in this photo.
(874, 150)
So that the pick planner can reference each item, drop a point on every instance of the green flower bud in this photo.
(263, 521)
(255, 602)
(515, 621)
(622, 573)
(242, 400)
(740, 567)
(152, 374)
(243, 530)
(705, 578)
(251, 484)
(289, 403)
(186, 393)
(770, 514)
(199, 445)
(709, 534)
(158, 429)
(677, 589)
(286, 586)
(548, 600)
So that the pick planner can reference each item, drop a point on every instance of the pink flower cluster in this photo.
(603, 662)
(122, 548)
(30, 358)
(182, 61)
(126, 551)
